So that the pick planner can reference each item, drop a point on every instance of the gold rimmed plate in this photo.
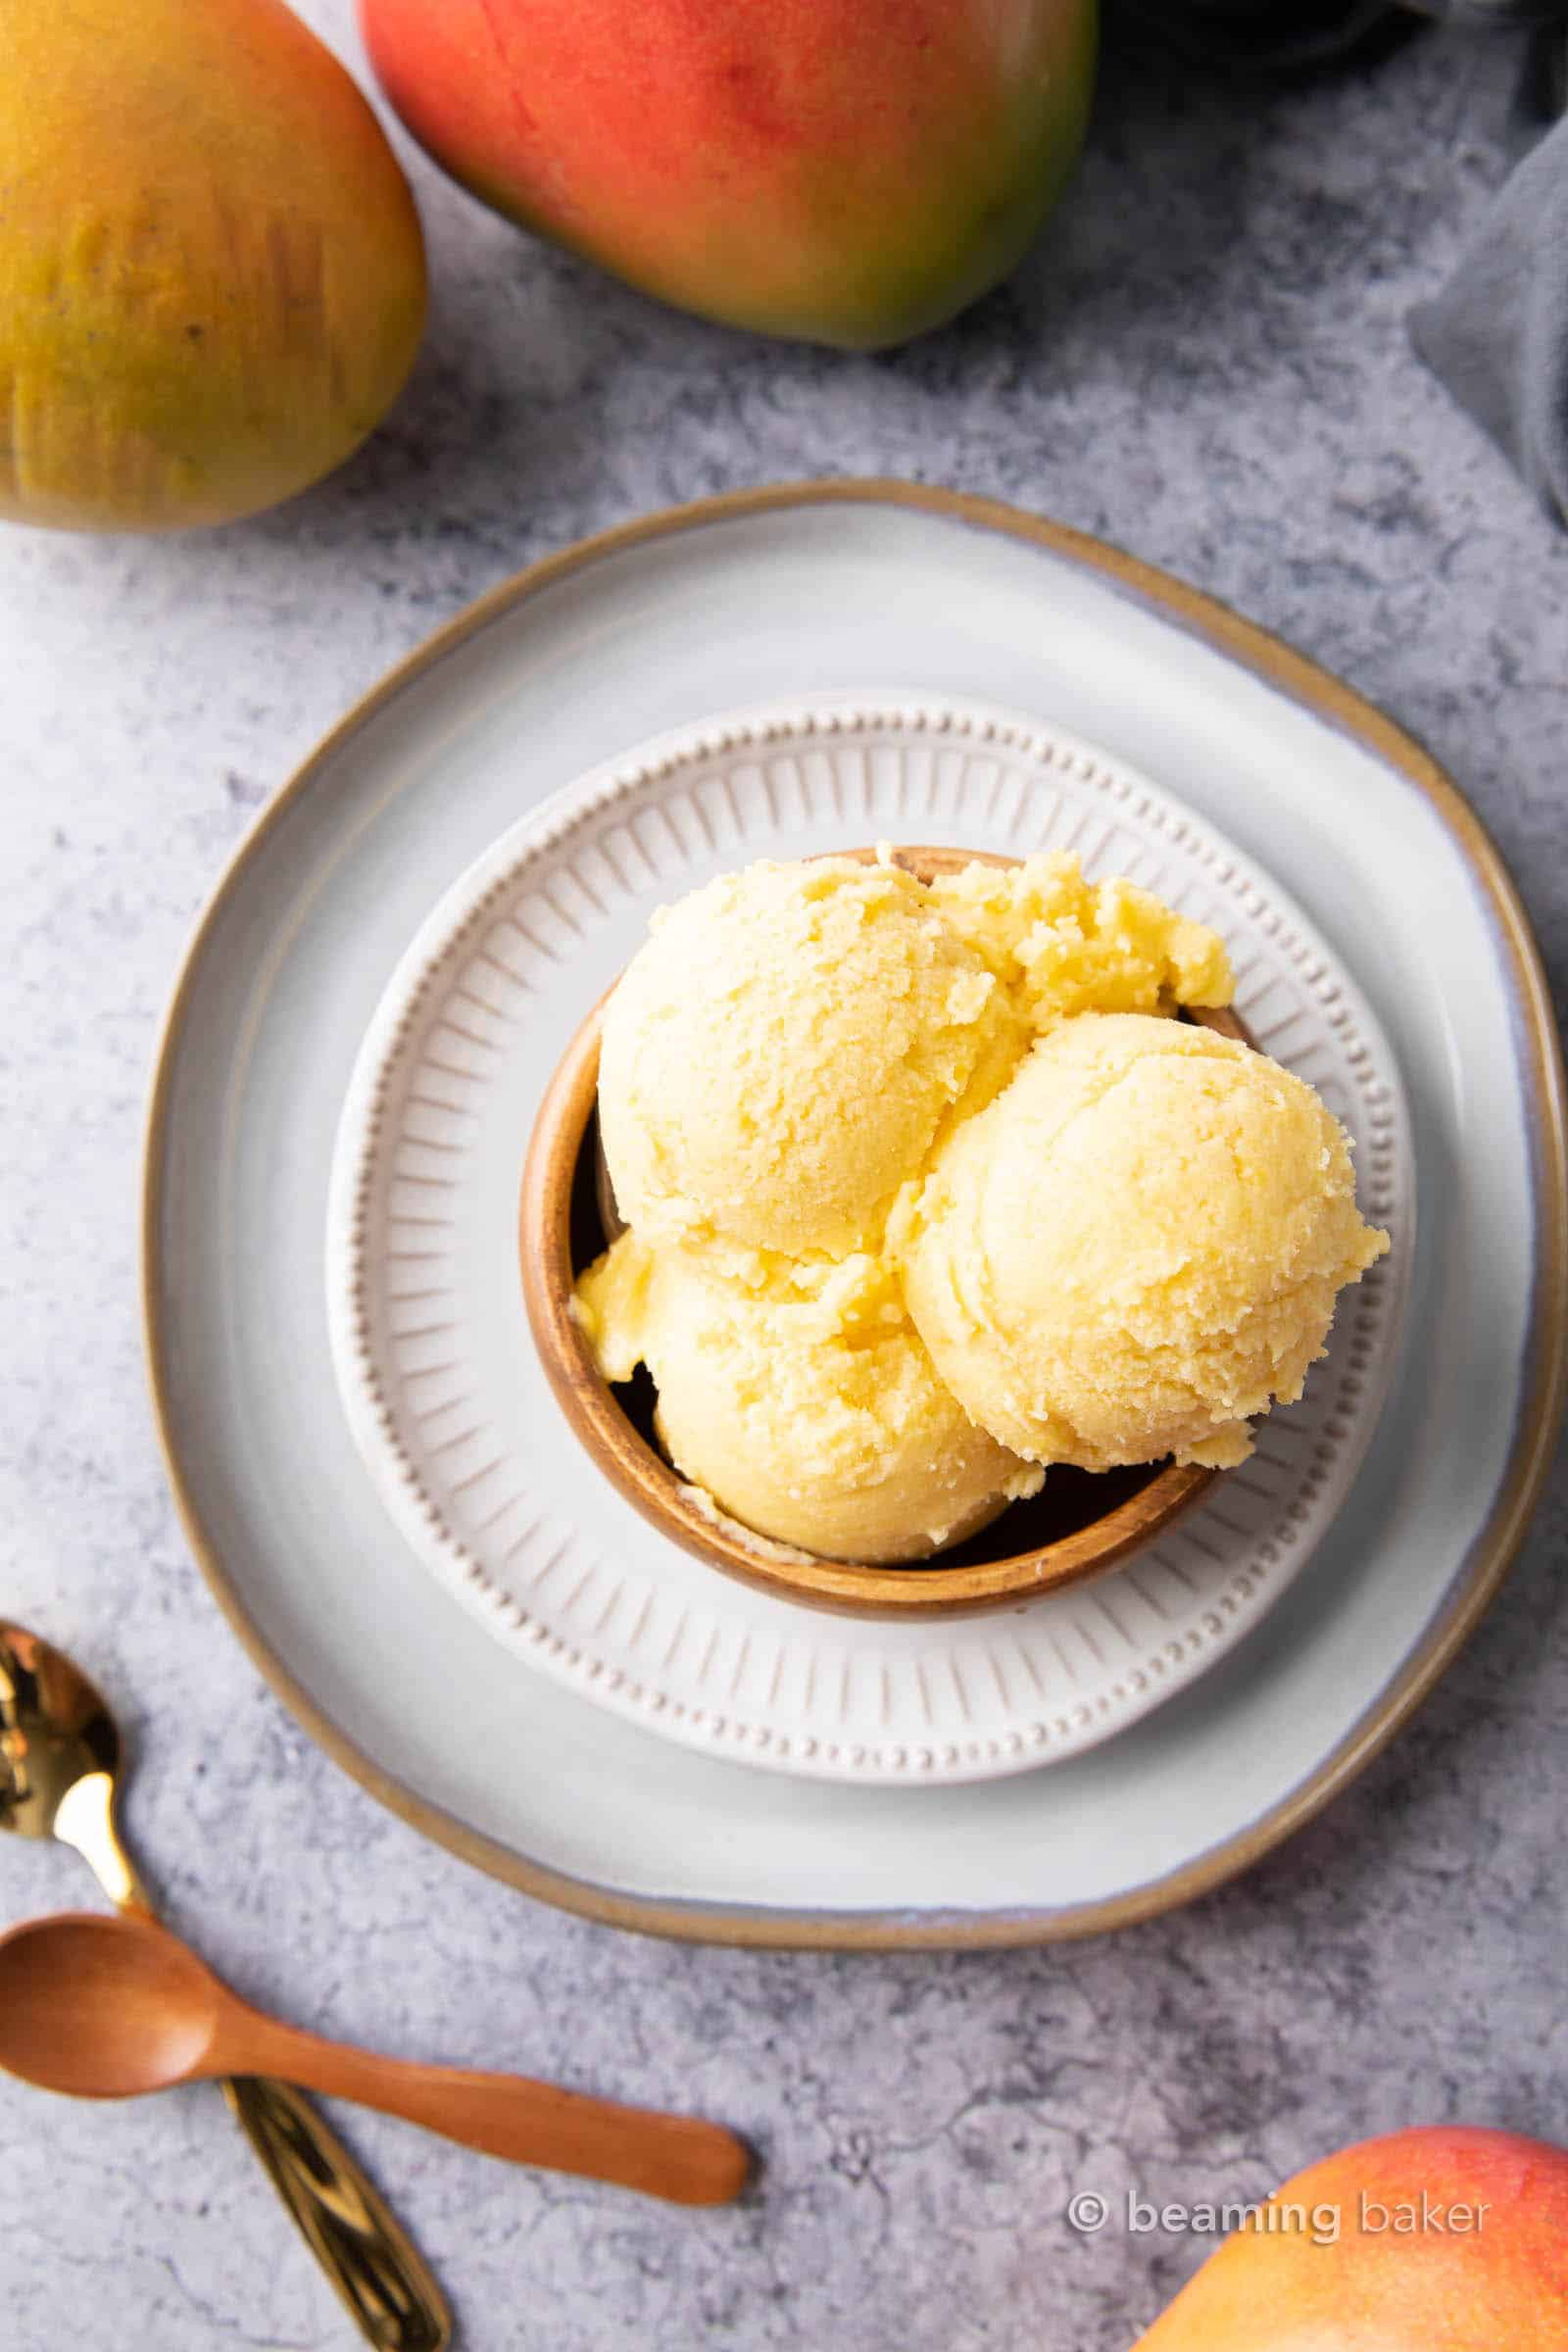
(631, 637)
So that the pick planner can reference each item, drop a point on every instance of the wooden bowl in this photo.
(1081, 1523)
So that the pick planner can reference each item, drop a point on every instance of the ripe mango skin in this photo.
(843, 172)
(212, 274)
(1499, 2285)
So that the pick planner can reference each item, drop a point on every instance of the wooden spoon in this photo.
(109, 2008)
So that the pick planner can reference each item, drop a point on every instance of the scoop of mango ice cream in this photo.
(1135, 1247)
(782, 1051)
(802, 1403)
(1061, 944)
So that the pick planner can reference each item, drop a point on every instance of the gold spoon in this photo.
(110, 2008)
(59, 1767)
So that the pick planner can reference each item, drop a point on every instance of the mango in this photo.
(1446, 2238)
(212, 274)
(845, 171)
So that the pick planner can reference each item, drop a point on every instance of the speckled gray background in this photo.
(1206, 362)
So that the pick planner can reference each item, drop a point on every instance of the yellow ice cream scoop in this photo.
(802, 1403)
(783, 1050)
(1135, 1247)
(1061, 944)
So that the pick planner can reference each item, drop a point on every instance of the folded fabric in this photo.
(1484, 13)
(1286, 35)
(1261, 37)
(1497, 334)
(1496, 337)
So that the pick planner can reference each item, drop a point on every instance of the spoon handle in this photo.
(347, 2225)
(377, 2271)
(676, 2156)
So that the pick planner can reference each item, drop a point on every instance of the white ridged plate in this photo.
(437, 1369)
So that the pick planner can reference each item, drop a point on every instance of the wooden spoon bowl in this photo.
(1082, 1522)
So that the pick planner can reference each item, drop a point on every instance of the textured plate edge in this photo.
(1478, 1577)
(442, 936)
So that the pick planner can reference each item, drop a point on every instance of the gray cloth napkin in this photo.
(1497, 334)
(1484, 13)
(1496, 337)
(1275, 37)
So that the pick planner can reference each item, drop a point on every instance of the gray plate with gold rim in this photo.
(750, 599)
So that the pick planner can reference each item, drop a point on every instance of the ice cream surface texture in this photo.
(790, 1042)
(926, 1191)
(1136, 1246)
(780, 1054)
(805, 1405)
(1061, 944)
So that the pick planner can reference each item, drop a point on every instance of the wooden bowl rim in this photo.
(648, 1482)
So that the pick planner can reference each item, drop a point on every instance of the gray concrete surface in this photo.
(1206, 362)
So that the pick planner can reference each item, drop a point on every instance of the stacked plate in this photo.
(370, 1461)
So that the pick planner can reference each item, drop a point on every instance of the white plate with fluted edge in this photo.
(744, 600)
(439, 1375)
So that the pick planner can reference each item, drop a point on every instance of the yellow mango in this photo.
(211, 274)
